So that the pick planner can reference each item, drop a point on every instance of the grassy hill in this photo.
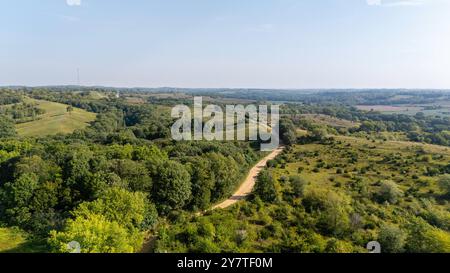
(55, 120)
(339, 207)
(13, 240)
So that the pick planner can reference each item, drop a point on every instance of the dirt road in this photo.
(247, 187)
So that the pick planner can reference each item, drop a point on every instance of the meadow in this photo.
(56, 120)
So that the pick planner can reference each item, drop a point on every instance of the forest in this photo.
(113, 179)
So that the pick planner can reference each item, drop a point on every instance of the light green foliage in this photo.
(298, 185)
(332, 209)
(95, 234)
(390, 192)
(424, 238)
(110, 224)
(117, 205)
(57, 119)
(392, 238)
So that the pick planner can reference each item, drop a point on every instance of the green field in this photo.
(441, 110)
(56, 120)
(13, 240)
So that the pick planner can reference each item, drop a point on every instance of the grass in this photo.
(56, 120)
(443, 110)
(330, 121)
(14, 240)
(400, 161)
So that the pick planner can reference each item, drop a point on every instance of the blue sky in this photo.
(227, 43)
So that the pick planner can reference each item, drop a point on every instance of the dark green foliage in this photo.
(172, 186)
(7, 128)
(266, 188)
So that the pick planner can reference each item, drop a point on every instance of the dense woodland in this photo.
(122, 181)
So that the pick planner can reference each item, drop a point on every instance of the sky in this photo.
(226, 43)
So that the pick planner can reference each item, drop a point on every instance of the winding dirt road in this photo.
(247, 187)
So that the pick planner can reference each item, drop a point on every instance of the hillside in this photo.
(332, 196)
(55, 120)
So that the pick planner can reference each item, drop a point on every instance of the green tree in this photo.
(135, 174)
(288, 131)
(266, 187)
(331, 209)
(298, 185)
(95, 234)
(392, 239)
(172, 186)
(202, 183)
(69, 109)
(424, 238)
(444, 184)
(390, 192)
(7, 127)
(117, 205)
(16, 198)
(226, 175)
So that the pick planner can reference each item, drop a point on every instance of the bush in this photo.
(392, 239)
(265, 187)
(298, 185)
(390, 192)
(444, 184)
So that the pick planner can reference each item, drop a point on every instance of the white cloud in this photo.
(73, 2)
(395, 3)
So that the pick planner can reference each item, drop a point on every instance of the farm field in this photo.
(442, 110)
(56, 120)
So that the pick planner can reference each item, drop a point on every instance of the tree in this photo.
(390, 192)
(288, 131)
(330, 208)
(392, 239)
(337, 246)
(128, 209)
(298, 185)
(424, 238)
(7, 127)
(202, 183)
(318, 134)
(95, 234)
(16, 198)
(226, 175)
(135, 174)
(110, 224)
(172, 186)
(266, 188)
(444, 184)
(69, 109)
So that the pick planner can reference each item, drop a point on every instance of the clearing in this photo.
(56, 120)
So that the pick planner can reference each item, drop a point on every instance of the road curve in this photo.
(247, 187)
